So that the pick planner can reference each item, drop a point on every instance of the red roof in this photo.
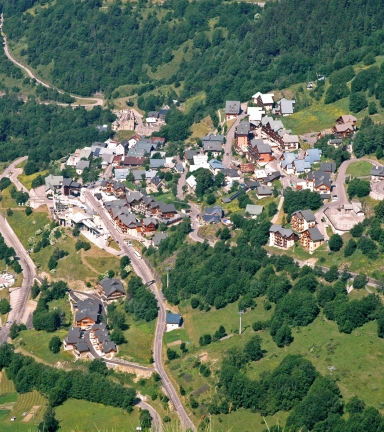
(154, 139)
(248, 167)
(132, 160)
(116, 159)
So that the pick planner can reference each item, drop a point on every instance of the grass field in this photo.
(36, 343)
(202, 128)
(63, 306)
(359, 169)
(79, 415)
(27, 180)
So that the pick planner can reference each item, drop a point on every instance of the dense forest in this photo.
(229, 50)
(46, 132)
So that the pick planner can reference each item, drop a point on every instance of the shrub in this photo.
(55, 344)
(360, 281)
(335, 242)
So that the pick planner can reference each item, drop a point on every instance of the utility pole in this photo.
(240, 313)
(168, 269)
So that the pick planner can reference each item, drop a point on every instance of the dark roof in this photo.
(252, 184)
(167, 208)
(74, 335)
(217, 210)
(98, 196)
(133, 160)
(315, 234)
(190, 153)
(82, 347)
(158, 238)
(109, 346)
(243, 128)
(173, 319)
(232, 107)
(285, 232)
(306, 214)
(264, 190)
(156, 181)
(111, 285)
(377, 171)
(328, 166)
(272, 177)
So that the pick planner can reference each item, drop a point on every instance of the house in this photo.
(247, 168)
(313, 155)
(110, 289)
(319, 181)
(300, 166)
(200, 160)
(170, 162)
(133, 198)
(121, 148)
(377, 173)
(271, 177)
(287, 160)
(158, 141)
(173, 321)
(211, 215)
(252, 185)
(336, 142)
(274, 129)
(344, 119)
(135, 152)
(254, 210)
(191, 183)
(148, 175)
(125, 223)
(133, 161)
(71, 187)
(263, 191)
(167, 211)
(156, 163)
(242, 135)
(215, 166)
(343, 130)
(282, 238)
(189, 154)
(87, 313)
(109, 347)
(158, 238)
(290, 142)
(311, 239)
(258, 151)
(81, 349)
(255, 114)
(156, 184)
(328, 167)
(264, 100)
(53, 183)
(107, 159)
(285, 107)
(179, 168)
(302, 220)
(121, 173)
(148, 225)
(231, 175)
(145, 145)
(214, 147)
(232, 109)
(72, 339)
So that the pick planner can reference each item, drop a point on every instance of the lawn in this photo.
(202, 128)
(27, 180)
(63, 306)
(175, 335)
(7, 201)
(140, 341)
(359, 169)
(79, 415)
(36, 343)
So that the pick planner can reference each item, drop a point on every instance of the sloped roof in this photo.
(254, 209)
(158, 238)
(112, 285)
(284, 232)
(315, 234)
(305, 214)
(232, 107)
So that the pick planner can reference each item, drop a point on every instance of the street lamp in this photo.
(241, 312)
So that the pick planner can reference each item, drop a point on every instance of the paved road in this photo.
(157, 425)
(142, 270)
(97, 101)
(227, 159)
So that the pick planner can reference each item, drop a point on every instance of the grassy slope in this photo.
(359, 169)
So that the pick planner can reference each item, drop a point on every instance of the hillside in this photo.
(227, 50)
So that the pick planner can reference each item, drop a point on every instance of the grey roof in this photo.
(256, 141)
(99, 326)
(315, 234)
(145, 145)
(264, 190)
(253, 209)
(377, 171)
(157, 238)
(98, 144)
(230, 172)
(74, 335)
(86, 313)
(286, 106)
(173, 319)
(243, 128)
(179, 167)
(128, 220)
(109, 346)
(216, 138)
(156, 163)
(263, 148)
(336, 141)
(328, 167)
(98, 196)
(167, 208)
(190, 153)
(82, 164)
(121, 173)
(305, 214)
(82, 347)
(108, 158)
(154, 114)
(285, 232)
(214, 211)
(156, 181)
(137, 152)
(89, 304)
(137, 174)
(148, 199)
(148, 221)
(212, 146)
(52, 182)
(112, 285)
(252, 184)
(211, 218)
(272, 177)
(232, 107)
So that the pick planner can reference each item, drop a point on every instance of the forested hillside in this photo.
(228, 50)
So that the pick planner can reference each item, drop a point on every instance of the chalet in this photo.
(285, 107)
(302, 220)
(377, 173)
(344, 119)
(173, 321)
(87, 313)
(231, 175)
(156, 184)
(115, 188)
(255, 114)
(282, 238)
(81, 350)
(188, 155)
(313, 155)
(158, 238)
(148, 225)
(167, 211)
(215, 166)
(311, 239)
(263, 191)
(242, 135)
(335, 142)
(300, 166)
(191, 183)
(343, 130)
(232, 109)
(319, 181)
(287, 160)
(290, 143)
(213, 147)
(247, 168)
(274, 129)
(53, 183)
(264, 100)
(254, 210)
(271, 177)
(133, 198)
(98, 326)
(328, 167)
(126, 223)
(110, 289)
(109, 348)
(258, 151)
(211, 215)
(71, 187)
(73, 338)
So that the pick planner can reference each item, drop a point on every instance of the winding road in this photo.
(97, 101)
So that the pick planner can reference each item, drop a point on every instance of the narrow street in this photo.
(227, 159)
